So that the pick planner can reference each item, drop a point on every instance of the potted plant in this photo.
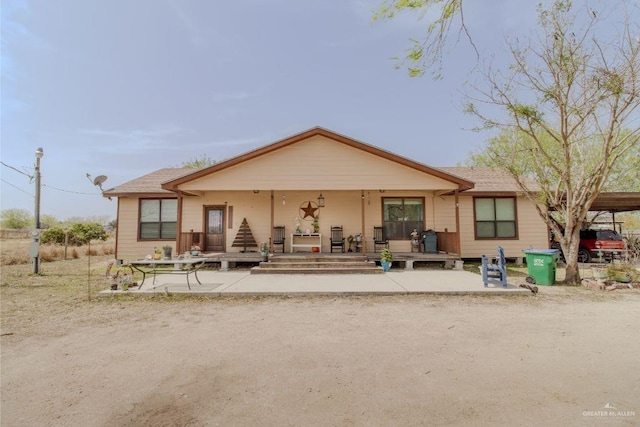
(350, 241)
(166, 251)
(157, 253)
(386, 258)
(195, 250)
(315, 224)
(264, 251)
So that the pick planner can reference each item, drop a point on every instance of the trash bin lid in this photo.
(540, 251)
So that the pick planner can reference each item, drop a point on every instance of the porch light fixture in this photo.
(320, 201)
(256, 191)
(284, 200)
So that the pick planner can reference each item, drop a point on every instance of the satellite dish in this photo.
(99, 180)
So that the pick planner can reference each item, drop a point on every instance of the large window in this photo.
(495, 217)
(402, 216)
(158, 219)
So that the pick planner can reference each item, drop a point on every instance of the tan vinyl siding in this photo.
(318, 163)
(129, 248)
(532, 232)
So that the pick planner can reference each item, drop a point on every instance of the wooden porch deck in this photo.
(229, 259)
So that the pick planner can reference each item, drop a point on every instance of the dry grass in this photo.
(64, 296)
(16, 251)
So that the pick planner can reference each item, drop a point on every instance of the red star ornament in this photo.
(309, 211)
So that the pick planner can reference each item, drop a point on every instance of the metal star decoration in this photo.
(309, 210)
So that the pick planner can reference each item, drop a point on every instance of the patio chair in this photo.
(378, 239)
(495, 273)
(337, 238)
(278, 237)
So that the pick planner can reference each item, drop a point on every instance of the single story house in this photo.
(335, 180)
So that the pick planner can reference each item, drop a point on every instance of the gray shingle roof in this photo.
(487, 179)
(150, 183)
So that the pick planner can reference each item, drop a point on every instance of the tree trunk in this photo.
(570, 244)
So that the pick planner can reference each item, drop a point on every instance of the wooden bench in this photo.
(495, 273)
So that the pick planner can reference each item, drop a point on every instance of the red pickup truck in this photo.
(595, 242)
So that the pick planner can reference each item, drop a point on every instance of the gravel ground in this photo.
(567, 356)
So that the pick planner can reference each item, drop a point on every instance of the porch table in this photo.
(310, 241)
(184, 266)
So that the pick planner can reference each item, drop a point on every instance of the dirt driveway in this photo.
(566, 357)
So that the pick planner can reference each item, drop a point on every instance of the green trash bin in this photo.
(541, 265)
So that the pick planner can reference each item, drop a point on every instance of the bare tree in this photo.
(572, 101)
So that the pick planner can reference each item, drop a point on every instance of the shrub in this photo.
(52, 235)
(78, 235)
(633, 245)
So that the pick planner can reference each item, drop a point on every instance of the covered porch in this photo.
(403, 260)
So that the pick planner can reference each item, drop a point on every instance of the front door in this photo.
(214, 229)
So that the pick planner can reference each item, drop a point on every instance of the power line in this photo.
(16, 169)
(69, 191)
(44, 185)
(17, 188)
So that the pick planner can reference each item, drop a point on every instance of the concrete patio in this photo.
(398, 282)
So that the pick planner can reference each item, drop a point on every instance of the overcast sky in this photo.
(125, 87)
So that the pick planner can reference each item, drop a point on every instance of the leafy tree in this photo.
(48, 221)
(53, 235)
(86, 232)
(568, 97)
(113, 224)
(16, 219)
(78, 234)
(198, 162)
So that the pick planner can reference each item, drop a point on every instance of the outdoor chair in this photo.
(495, 273)
(378, 239)
(337, 238)
(278, 237)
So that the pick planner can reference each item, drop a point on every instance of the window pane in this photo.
(505, 210)
(485, 229)
(169, 230)
(149, 210)
(413, 210)
(393, 210)
(485, 210)
(215, 222)
(401, 216)
(169, 210)
(150, 230)
(506, 229)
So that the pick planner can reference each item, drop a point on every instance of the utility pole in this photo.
(35, 252)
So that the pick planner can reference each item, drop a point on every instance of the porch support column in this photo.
(272, 223)
(457, 223)
(363, 249)
(179, 225)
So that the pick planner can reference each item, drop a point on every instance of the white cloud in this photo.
(220, 97)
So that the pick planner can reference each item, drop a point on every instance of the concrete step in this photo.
(322, 264)
(317, 258)
(304, 270)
